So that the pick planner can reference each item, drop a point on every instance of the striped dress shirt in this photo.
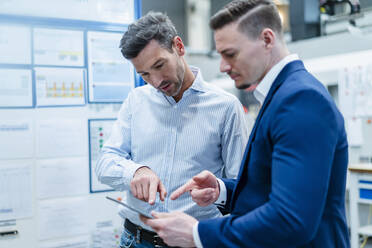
(205, 130)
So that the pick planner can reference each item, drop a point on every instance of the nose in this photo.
(224, 66)
(156, 80)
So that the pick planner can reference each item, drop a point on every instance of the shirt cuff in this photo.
(223, 193)
(195, 234)
(130, 168)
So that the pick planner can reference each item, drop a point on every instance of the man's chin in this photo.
(241, 85)
(170, 93)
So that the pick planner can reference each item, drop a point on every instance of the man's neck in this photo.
(279, 53)
(187, 82)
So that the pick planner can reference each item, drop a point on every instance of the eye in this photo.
(159, 66)
(230, 55)
(144, 74)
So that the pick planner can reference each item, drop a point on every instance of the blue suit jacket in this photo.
(290, 191)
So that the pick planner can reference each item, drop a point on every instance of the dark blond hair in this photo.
(252, 17)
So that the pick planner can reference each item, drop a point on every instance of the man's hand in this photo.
(204, 189)
(176, 229)
(145, 184)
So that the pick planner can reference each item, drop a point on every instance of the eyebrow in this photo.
(227, 50)
(157, 62)
(153, 66)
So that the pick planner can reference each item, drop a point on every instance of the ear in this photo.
(268, 37)
(179, 46)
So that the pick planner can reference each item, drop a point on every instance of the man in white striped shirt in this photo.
(168, 131)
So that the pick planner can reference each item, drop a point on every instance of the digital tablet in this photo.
(131, 208)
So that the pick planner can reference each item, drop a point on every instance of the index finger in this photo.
(183, 189)
(152, 192)
(162, 191)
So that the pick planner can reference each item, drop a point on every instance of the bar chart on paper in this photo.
(63, 90)
(59, 86)
(99, 132)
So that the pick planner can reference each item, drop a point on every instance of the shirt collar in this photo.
(198, 83)
(264, 86)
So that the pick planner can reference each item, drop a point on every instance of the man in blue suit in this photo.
(290, 191)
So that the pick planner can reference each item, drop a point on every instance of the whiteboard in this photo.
(44, 155)
(112, 11)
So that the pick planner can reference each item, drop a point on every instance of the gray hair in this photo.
(153, 26)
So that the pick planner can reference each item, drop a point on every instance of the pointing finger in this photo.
(202, 176)
(183, 189)
(152, 192)
(162, 191)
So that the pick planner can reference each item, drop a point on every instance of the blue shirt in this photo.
(205, 130)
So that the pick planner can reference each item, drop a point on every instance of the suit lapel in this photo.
(285, 72)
